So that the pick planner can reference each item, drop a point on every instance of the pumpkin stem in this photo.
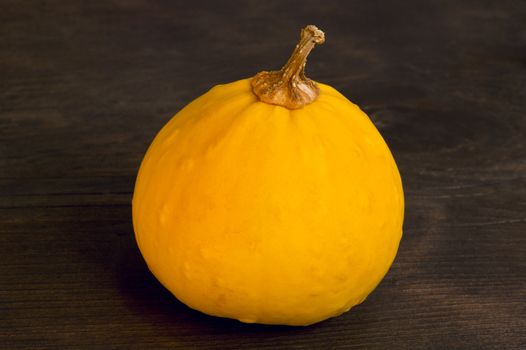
(289, 87)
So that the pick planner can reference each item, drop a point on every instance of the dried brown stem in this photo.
(289, 87)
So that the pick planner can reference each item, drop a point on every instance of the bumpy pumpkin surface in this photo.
(257, 212)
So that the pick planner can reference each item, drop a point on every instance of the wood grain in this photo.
(84, 87)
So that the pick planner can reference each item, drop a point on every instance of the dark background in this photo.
(85, 86)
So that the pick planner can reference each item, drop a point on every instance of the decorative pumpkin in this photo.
(271, 200)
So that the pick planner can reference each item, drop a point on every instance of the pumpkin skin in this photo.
(253, 211)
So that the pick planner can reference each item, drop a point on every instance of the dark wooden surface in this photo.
(84, 87)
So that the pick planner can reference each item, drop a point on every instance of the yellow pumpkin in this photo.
(271, 200)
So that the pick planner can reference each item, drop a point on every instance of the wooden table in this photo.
(85, 86)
